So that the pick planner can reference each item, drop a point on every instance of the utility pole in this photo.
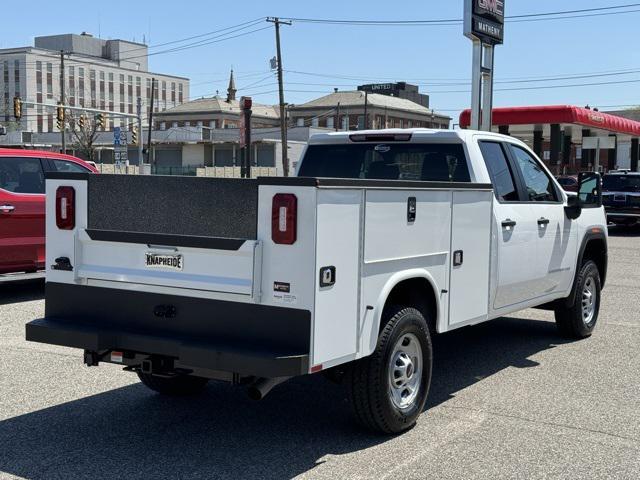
(338, 115)
(151, 103)
(283, 117)
(140, 140)
(63, 138)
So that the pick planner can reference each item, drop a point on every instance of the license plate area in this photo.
(229, 271)
(164, 261)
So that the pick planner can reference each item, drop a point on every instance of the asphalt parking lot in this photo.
(509, 399)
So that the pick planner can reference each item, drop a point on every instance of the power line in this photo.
(254, 21)
(215, 39)
(545, 87)
(460, 83)
(556, 15)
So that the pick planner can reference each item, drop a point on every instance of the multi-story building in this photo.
(398, 89)
(360, 110)
(216, 112)
(103, 74)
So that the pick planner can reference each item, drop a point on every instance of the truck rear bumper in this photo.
(246, 339)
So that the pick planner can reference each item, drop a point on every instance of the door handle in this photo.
(7, 208)
(543, 221)
(508, 223)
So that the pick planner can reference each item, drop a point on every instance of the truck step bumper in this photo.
(190, 353)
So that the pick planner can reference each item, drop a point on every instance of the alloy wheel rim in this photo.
(589, 301)
(405, 371)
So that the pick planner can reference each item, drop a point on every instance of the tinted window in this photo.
(67, 166)
(537, 183)
(21, 175)
(567, 182)
(500, 172)
(621, 183)
(387, 161)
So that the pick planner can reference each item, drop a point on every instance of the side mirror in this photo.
(589, 195)
(590, 190)
(573, 209)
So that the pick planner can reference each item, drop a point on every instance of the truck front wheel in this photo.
(579, 319)
(389, 388)
(175, 386)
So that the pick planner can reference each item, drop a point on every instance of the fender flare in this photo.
(590, 235)
(392, 282)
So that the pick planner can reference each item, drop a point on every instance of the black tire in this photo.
(570, 320)
(180, 385)
(368, 380)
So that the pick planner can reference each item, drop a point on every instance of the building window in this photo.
(16, 77)
(212, 124)
(300, 121)
(180, 93)
(49, 81)
(163, 125)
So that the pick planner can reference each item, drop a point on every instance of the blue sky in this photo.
(418, 54)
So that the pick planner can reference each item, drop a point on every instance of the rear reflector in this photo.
(316, 368)
(66, 208)
(284, 218)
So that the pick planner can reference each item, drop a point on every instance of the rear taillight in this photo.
(66, 208)
(284, 217)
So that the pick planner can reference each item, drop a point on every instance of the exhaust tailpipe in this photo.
(259, 389)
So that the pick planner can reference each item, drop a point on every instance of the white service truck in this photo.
(383, 239)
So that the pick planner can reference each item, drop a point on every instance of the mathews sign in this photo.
(484, 20)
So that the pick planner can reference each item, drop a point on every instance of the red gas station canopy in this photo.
(553, 114)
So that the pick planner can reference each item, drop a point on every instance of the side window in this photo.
(67, 166)
(21, 175)
(536, 181)
(500, 172)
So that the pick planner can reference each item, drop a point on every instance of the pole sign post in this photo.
(484, 26)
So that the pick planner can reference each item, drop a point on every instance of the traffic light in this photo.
(99, 121)
(60, 116)
(81, 122)
(17, 108)
(134, 135)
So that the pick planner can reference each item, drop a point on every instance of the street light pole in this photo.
(140, 140)
(62, 130)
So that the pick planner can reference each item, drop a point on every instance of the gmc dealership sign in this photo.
(484, 20)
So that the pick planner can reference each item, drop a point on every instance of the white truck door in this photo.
(514, 236)
(556, 239)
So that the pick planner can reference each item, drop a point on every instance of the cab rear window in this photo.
(442, 162)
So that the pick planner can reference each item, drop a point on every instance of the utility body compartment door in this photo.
(470, 257)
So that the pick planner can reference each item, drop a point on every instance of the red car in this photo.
(22, 205)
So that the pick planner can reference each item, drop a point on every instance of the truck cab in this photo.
(381, 240)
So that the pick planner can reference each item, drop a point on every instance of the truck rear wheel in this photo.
(579, 319)
(175, 386)
(389, 388)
